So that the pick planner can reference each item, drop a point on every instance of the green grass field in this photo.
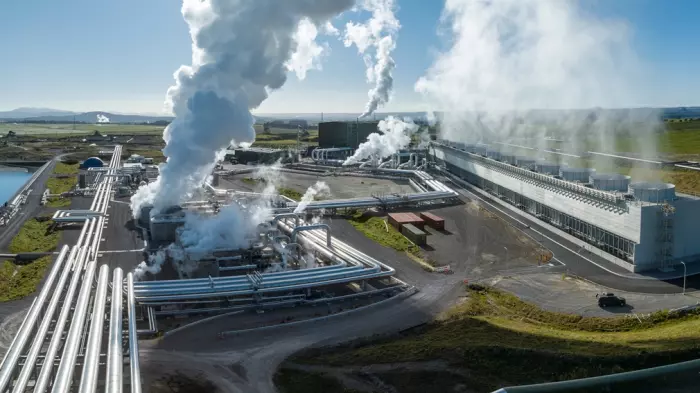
(59, 185)
(18, 281)
(63, 130)
(35, 236)
(492, 331)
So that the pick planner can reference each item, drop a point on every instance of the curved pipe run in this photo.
(298, 229)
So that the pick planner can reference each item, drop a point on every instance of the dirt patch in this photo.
(178, 382)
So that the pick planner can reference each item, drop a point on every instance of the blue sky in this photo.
(120, 55)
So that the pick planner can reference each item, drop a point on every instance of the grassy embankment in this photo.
(377, 229)
(64, 183)
(18, 281)
(494, 339)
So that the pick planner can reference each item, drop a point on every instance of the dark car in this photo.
(610, 299)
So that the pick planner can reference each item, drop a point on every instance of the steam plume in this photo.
(102, 118)
(308, 53)
(512, 62)
(319, 188)
(395, 135)
(379, 33)
(240, 51)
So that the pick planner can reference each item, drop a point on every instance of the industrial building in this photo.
(639, 226)
(259, 155)
(344, 134)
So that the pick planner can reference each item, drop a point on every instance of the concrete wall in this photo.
(627, 225)
(686, 223)
(344, 134)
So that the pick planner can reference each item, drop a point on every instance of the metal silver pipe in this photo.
(298, 229)
(14, 352)
(91, 362)
(115, 358)
(42, 381)
(64, 374)
(133, 337)
(40, 336)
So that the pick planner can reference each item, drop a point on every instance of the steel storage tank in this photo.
(508, 157)
(481, 149)
(576, 174)
(493, 154)
(610, 181)
(524, 161)
(547, 167)
(653, 191)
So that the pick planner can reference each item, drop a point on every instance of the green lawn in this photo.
(290, 193)
(35, 236)
(377, 229)
(63, 130)
(18, 281)
(492, 331)
(59, 185)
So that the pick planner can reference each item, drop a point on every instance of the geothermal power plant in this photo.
(291, 257)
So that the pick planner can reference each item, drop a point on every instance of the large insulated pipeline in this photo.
(91, 362)
(13, 354)
(298, 229)
(133, 337)
(66, 368)
(115, 358)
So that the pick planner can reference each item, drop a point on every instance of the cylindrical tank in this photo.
(576, 174)
(653, 191)
(610, 181)
(547, 167)
(524, 161)
(493, 154)
(481, 149)
(509, 158)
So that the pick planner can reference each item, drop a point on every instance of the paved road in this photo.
(30, 208)
(575, 263)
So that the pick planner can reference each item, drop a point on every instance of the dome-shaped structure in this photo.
(576, 174)
(610, 181)
(653, 191)
(93, 162)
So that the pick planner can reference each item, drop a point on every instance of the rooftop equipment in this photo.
(508, 158)
(653, 191)
(581, 175)
(524, 161)
(547, 167)
(610, 181)
(493, 154)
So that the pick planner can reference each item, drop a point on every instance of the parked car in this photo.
(610, 299)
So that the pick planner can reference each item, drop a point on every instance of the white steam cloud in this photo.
(395, 135)
(379, 33)
(308, 53)
(102, 118)
(319, 188)
(525, 68)
(240, 52)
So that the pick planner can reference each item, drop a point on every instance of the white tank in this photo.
(508, 157)
(653, 191)
(576, 174)
(524, 161)
(610, 181)
(493, 154)
(547, 167)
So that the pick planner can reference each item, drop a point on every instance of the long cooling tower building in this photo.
(647, 226)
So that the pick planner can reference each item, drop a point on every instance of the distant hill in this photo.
(21, 113)
(60, 116)
(93, 117)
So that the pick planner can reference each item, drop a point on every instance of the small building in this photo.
(433, 221)
(398, 220)
(414, 234)
(92, 162)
